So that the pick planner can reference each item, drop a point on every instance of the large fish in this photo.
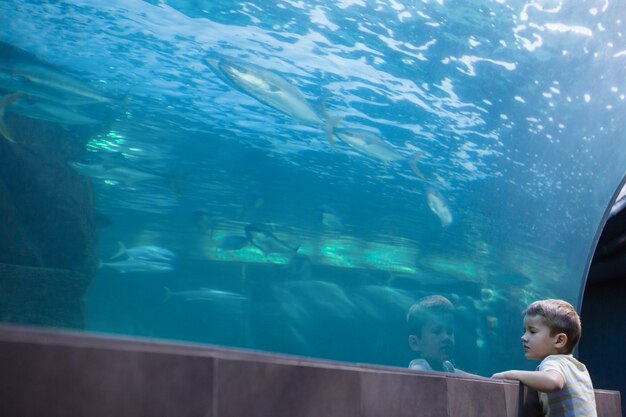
(321, 298)
(271, 89)
(53, 112)
(50, 79)
(373, 145)
(4, 103)
(11, 82)
(261, 236)
(439, 206)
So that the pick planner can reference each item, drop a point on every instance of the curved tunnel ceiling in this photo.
(497, 148)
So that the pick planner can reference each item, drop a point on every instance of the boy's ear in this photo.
(414, 343)
(560, 341)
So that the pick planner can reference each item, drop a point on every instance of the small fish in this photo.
(4, 102)
(369, 143)
(439, 206)
(373, 145)
(147, 253)
(203, 294)
(232, 242)
(261, 236)
(271, 89)
(138, 265)
(330, 218)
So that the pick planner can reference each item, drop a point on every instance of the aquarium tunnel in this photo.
(290, 177)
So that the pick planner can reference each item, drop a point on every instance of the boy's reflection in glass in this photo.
(431, 334)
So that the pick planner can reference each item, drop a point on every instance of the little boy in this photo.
(551, 330)
(431, 334)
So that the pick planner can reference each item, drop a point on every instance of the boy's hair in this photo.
(426, 309)
(560, 317)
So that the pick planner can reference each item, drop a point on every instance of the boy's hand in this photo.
(544, 381)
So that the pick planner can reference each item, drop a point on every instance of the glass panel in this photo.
(292, 176)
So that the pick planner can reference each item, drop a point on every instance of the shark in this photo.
(272, 90)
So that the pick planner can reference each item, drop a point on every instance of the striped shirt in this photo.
(577, 398)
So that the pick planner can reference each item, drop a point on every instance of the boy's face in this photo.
(436, 341)
(538, 344)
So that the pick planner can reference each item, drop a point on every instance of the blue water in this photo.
(513, 108)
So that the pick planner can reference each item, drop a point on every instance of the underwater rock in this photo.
(42, 296)
(46, 208)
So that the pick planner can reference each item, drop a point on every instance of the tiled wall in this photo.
(57, 373)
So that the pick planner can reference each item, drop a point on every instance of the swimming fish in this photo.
(330, 218)
(129, 175)
(138, 265)
(232, 242)
(53, 112)
(271, 89)
(4, 102)
(373, 145)
(321, 298)
(203, 294)
(11, 82)
(369, 143)
(261, 236)
(439, 206)
(47, 77)
(146, 252)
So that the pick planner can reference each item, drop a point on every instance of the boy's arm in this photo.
(544, 381)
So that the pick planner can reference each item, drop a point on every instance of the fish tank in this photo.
(292, 176)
